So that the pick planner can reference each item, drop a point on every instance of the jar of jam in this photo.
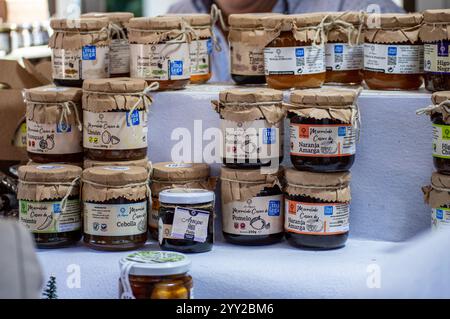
(252, 124)
(437, 196)
(155, 275)
(252, 206)
(115, 119)
(317, 209)
(119, 49)
(54, 124)
(49, 203)
(159, 51)
(439, 113)
(115, 200)
(324, 127)
(393, 52)
(186, 220)
(435, 35)
(167, 175)
(247, 39)
(295, 56)
(80, 50)
(344, 50)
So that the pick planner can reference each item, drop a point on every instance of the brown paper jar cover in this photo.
(393, 28)
(435, 25)
(119, 18)
(329, 187)
(438, 193)
(200, 22)
(88, 163)
(436, 99)
(248, 28)
(338, 33)
(157, 29)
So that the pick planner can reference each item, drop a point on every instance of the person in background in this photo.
(220, 65)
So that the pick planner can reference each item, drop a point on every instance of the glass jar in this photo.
(344, 51)
(393, 53)
(54, 124)
(88, 163)
(324, 127)
(115, 115)
(247, 40)
(115, 200)
(49, 203)
(155, 275)
(159, 51)
(435, 36)
(295, 57)
(80, 50)
(252, 125)
(252, 206)
(167, 175)
(186, 220)
(437, 196)
(317, 209)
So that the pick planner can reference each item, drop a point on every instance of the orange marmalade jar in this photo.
(393, 53)
(295, 56)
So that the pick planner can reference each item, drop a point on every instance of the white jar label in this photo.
(190, 224)
(252, 140)
(47, 217)
(322, 140)
(316, 218)
(120, 56)
(440, 219)
(441, 141)
(53, 138)
(393, 59)
(294, 60)
(256, 216)
(200, 56)
(66, 64)
(115, 130)
(167, 61)
(344, 57)
(437, 58)
(246, 60)
(115, 219)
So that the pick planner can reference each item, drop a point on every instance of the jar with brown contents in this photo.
(437, 196)
(155, 275)
(159, 51)
(344, 51)
(88, 163)
(49, 203)
(393, 53)
(115, 119)
(324, 126)
(167, 175)
(435, 35)
(295, 56)
(115, 200)
(252, 124)
(54, 124)
(317, 209)
(252, 206)
(80, 50)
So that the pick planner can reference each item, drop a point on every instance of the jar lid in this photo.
(156, 263)
(88, 163)
(161, 23)
(249, 20)
(115, 85)
(250, 95)
(333, 97)
(308, 19)
(186, 196)
(436, 15)
(49, 173)
(278, 22)
(439, 97)
(115, 175)
(171, 171)
(248, 175)
(193, 19)
(114, 17)
(85, 24)
(352, 17)
(310, 179)
(53, 94)
(395, 20)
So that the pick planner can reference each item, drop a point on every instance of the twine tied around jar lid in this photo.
(442, 107)
(217, 16)
(65, 111)
(339, 23)
(145, 183)
(115, 30)
(319, 38)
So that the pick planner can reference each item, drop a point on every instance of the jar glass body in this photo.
(287, 80)
(204, 47)
(56, 158)
(440, 160)
(160, 287)
(247, 64)
(437, 77)
(323, 163)
(344, 77)
(315, 241)
(256, 240)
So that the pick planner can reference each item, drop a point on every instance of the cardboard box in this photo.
(24, 11)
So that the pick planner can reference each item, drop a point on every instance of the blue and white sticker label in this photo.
(440, 219)
(437, 57)
(343, 57)
(294, 60)
(200, 56)
(393, 59)
(190, 224)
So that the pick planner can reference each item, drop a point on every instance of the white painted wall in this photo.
(156, 7)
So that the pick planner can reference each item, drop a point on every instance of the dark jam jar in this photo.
(252, 124)
(437, 196)
(115, 119)
(115, 201)
(155, 275)
(256, 218)
(317, 209)
(49, 204)
(186, 220)
(54, 127)
(323, 129)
